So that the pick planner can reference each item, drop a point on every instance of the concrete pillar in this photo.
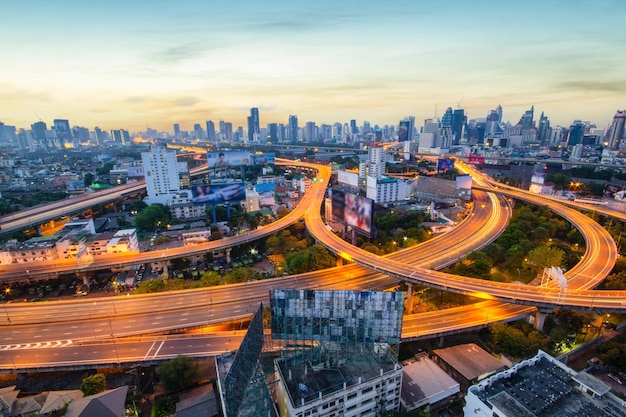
(409, 298)
(540, 318)
(339, 261)
(228, 255)
(353, 237)
(441, 341)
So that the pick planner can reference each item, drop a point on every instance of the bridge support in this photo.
(540, 318)
(228, 255)
(409, 297)
(339, 261)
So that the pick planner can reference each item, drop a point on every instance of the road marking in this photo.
(157, 351)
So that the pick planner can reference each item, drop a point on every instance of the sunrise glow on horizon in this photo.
(141, 64)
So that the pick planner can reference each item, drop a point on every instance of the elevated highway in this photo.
(442, 322)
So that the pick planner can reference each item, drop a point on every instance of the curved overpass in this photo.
(473, 316)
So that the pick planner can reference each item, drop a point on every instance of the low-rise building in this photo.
(542, 386)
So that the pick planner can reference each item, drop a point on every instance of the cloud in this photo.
(617, 87)
(177, 53)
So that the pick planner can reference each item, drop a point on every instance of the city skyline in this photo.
(137, 65)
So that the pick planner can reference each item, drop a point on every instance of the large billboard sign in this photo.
(227, 159)
(477, 160)
(263, 158)
(218, 193)
(337, 315)
(445, 164)
(352, 209)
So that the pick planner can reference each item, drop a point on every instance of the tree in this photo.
(153, 217)
(476, 265)
(88, 178)
(93, 384)
(544, 257)
(179, 373)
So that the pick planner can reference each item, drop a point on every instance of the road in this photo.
(473, 316)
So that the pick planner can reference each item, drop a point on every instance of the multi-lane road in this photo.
(107, 317)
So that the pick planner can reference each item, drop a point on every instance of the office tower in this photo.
(81, 134)
(39, 131)
(446, 119)
(176, 130)
(337, 131)
(253, 125)
(615, 135)
(125, 137)
(161, 172)
(366, 127)
(310, 132)
(292, 131)
(458, 125)
(326, 132)
(527, 119)
(353, 129)
(272, 132)
(576, 133)
(8, 136)
(116, 136)
(543, 131)
(228, 131)
(210, 131)
(99, 135)
(198, 132)
(63, 131)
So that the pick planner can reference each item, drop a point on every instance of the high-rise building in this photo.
(63, 130)
(125, 137)
(615, 135)
(253, 125)
(210, 131)
(292, 132)
(527, 119)
(576, 133)
(354, 130)
(161, 171)
(543, 130)
(272, 132)
(100, 136)
(39, 131)
(176, 130)
(310, 132)
(116, 136)
(446, 119)
(458, 125)
(198, 131)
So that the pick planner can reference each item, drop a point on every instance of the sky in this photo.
(137, 64)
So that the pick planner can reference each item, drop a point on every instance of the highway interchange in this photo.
(48, 336)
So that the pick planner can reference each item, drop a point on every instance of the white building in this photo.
(386, 190)
(253, 201)
(541, 386)
(123, 241)
(161, 171)
(182, 207)
(375, 164)
(370, 391)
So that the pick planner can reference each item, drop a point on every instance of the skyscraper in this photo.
(310, 132)
(198, 132)
(527, 119)
(39, 131)
(63, 130)
(292, 132)
(615, 135)
(161, 171)
(272, 132)
(210, 131)
(176, 130)
(458, 125)
(253, 125)
(447, 119)
(576, 133)
(543, 131)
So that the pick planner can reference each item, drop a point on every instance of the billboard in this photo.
(218, 193)
(478, 160)
(227, 159)
(263, 158)
(403, 131)
(352, 209)
(336, 315)
(445, 164)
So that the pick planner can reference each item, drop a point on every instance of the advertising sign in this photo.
(263, 158)
(445, 164)
(227, 159)
(477, 160)
(354, 210)
(218, 193)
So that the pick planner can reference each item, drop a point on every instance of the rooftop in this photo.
(545, 388)
(469, 360)
(423, 381)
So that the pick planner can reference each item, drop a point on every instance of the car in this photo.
(615, 378)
